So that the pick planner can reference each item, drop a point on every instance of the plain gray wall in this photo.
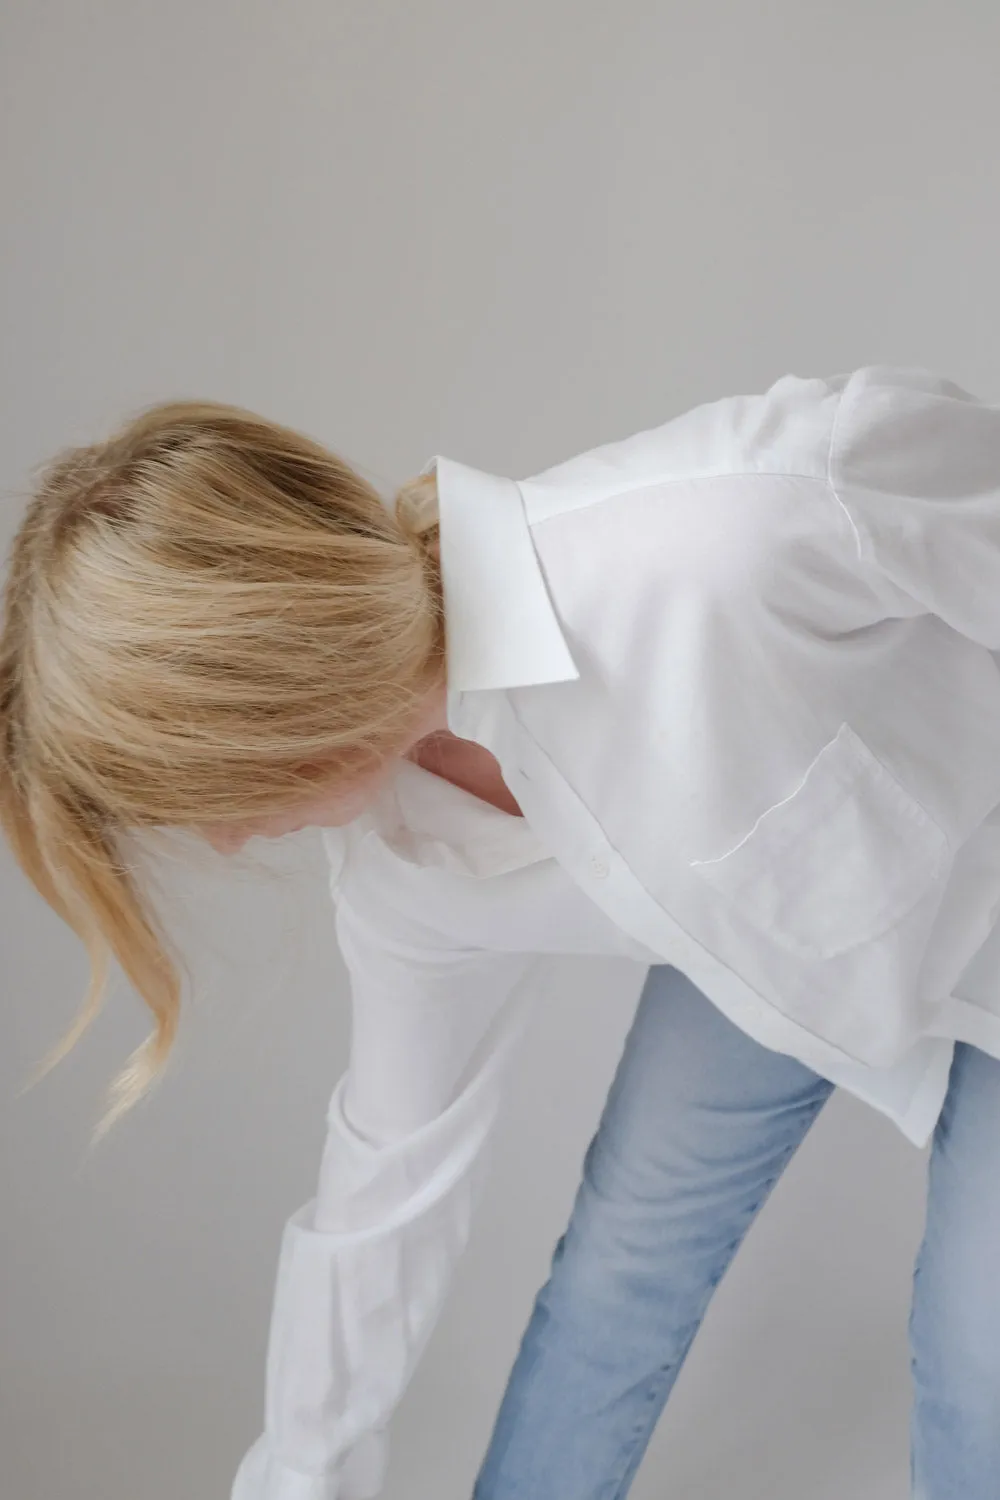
(505, 233)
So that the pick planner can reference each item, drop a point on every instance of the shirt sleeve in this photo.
(366, 1264)
(915, 463)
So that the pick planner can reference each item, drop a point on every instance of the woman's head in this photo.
(211, 622)
(332, 803)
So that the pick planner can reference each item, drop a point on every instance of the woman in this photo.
(721, 697)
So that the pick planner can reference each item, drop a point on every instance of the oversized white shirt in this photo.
(741, 673)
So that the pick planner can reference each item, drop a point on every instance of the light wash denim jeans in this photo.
(699, 1123)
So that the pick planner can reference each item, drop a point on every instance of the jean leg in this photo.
(699, 1123)
(954, 1325)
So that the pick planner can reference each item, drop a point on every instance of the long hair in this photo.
(207, 616)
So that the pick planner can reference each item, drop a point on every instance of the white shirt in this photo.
(741, 673)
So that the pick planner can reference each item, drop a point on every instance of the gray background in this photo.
(504, 233)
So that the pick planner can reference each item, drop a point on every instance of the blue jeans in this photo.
(699, 1123)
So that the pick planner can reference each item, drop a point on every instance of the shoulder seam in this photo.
(834, 426)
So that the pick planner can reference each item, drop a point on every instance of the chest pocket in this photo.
(836, 863)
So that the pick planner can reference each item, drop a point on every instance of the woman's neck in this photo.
(465, 764)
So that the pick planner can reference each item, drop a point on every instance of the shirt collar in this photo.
(501, 628)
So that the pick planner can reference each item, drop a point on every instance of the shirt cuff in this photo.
(360, 1474)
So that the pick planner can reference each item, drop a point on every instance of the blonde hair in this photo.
(206, 616)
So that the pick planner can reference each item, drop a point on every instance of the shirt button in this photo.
(599, 864)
